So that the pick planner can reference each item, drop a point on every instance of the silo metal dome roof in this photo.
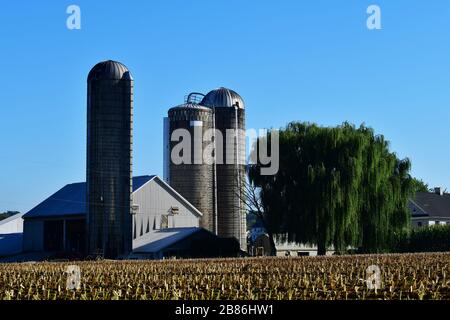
(222, 97)
(190, 105)
(109, 70)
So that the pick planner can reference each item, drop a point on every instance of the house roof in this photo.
(159, 239)
(71, 200)
(430, 204)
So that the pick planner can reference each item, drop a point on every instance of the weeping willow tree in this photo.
(385, 190)
(337, 186)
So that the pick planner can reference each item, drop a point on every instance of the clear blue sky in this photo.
(290, 60)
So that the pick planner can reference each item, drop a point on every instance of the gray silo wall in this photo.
(193, 181)
(109, 166)
(230, 177)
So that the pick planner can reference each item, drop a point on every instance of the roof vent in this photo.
(439, 191)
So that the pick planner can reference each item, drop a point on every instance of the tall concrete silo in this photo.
(229, 113)
(194, 178)
(109, 159)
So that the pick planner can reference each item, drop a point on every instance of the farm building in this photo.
(183, 243)
(11, 231)
(259, 242)
(430, 208)
(58, 224)
(213, 185)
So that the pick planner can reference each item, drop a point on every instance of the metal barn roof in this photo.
(11, 218)
(71, 200)
(157, 240)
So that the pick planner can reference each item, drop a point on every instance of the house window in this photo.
(419, 224)
(437, 222)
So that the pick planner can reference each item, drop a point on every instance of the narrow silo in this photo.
(192, 174)
(109, 159)
(229, 113)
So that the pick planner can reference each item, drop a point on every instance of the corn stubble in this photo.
(403, 276)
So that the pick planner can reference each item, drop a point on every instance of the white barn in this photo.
(58, 223)
(11, 234)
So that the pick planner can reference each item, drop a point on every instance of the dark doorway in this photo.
(53, 235)
(75, 235)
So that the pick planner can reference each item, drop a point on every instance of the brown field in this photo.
(403, 276)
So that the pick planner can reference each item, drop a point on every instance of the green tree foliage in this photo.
(420, 186)
(426, 239)
(337, 186)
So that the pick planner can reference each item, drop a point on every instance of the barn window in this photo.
(164, 221)
(135, 209)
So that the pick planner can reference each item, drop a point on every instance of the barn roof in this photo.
(11, 218)
(71, 200)
(159, 239)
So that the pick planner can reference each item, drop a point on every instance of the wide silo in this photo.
(109, 159)
(229, 113)
(192, 174)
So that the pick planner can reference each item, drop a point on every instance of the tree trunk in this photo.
(321, 248)
(273, 249)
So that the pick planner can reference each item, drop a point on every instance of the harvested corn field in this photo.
(397, 276)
